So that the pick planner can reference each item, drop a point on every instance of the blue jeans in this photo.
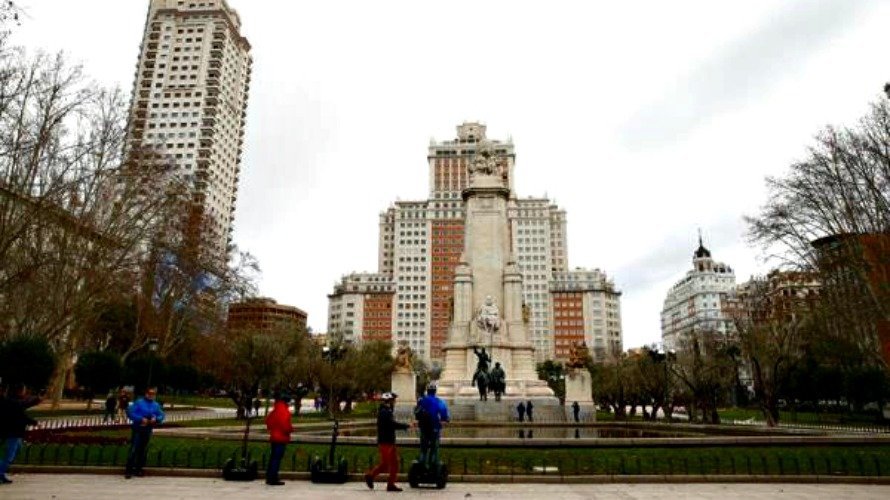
(138, 449)
(275, 457)
(13, 445)
(429, 448)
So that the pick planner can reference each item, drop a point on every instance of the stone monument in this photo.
(404, 381)
(579, 385)
(487, 307)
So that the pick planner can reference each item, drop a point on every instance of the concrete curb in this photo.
(499, 478)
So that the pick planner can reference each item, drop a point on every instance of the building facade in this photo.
(360, 308)
(189, 104)
(265, 315)
(700, 301)
(421, 243)
(586, 307)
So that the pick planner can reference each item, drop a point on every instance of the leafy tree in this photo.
(706, 369)
(143, 369)
(655, 382)
(553, 373)
(613, 383)
(98, 372)
(27, 360)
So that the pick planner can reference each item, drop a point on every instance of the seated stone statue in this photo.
(489, 319)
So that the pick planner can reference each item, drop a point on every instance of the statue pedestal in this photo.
(579, 387)
(404, 384)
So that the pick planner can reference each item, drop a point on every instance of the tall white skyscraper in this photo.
(189, 103)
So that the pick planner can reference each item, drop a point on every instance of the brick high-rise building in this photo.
(189, 102)
(421, 243)
(586, 307)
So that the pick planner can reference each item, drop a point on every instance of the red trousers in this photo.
(389, 461)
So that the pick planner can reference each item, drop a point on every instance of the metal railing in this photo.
(93, 421)
(800, 462)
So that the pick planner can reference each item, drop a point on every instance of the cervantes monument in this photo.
(488, 309)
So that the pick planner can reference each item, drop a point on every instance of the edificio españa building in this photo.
(420, 245)
(189, 103)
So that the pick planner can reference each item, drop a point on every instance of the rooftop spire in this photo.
(701, 251)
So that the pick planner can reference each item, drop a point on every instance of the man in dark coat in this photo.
(520, 408)
(528, 410)
(13, 424)
(386, 443)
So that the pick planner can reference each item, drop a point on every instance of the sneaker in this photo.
(5, 480)
(392, 487)
(275, 483)
(369, 481)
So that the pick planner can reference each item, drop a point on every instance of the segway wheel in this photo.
(414, 474)
(442, 477)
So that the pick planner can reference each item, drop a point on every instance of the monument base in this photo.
(579, 388)
(463, 400)
(404, 384)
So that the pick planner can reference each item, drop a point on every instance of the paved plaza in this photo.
(74, 486)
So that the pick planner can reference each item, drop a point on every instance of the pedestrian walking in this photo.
(13, 424)
(278, 422)
(110, 407)
(256, 406)
(145, 414)
(520, 408)
(386, 443)
(576, 410)
(123, 402)
(528, 409)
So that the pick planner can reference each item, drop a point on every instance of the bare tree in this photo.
(74, 216)
(841, 189)
(771, 325)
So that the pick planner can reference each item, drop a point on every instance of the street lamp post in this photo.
(332, 355)
(152, 348)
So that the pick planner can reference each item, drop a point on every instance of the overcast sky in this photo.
(643, 120)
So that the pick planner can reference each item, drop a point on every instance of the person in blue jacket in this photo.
(431, 412)
(144, 414)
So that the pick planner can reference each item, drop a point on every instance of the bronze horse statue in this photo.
(481, 381)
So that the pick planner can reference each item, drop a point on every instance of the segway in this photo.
(422, 476)
(330, 472)
(241, 469)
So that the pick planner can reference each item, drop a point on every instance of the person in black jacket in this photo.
(13, 424)
(386, 443)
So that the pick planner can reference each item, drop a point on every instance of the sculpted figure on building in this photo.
(489, 319)
(485, 161)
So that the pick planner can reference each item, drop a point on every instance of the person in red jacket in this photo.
(278, 422)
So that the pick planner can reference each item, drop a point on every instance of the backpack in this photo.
(424, 419)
